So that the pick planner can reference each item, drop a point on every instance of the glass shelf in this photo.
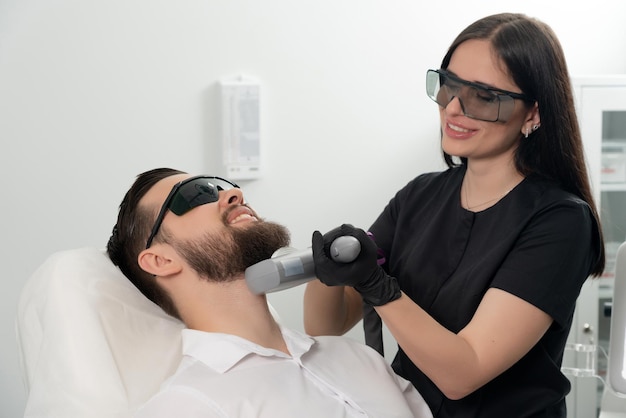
(613, 187)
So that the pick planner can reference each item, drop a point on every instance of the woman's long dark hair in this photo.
(534, 59)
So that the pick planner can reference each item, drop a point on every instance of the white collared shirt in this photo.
(324, 377)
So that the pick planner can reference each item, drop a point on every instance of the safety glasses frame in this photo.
(188, 194)
(485, 97)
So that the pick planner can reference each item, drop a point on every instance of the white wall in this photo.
(94, 92)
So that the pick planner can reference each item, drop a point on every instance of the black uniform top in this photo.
(538, 243)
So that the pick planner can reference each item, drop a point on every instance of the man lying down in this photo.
(185, 242)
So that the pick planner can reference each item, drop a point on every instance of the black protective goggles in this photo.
(477, 101)
(189, 194)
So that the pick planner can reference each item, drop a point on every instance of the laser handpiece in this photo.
(289, 267)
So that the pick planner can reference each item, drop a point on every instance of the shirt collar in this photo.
(223, 351)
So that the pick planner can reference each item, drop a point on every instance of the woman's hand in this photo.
(364, 274)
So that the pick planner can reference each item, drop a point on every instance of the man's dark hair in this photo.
(130, 233)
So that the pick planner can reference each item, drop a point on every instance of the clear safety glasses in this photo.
(188, 194)
(477, 101)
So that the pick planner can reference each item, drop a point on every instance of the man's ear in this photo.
(159, 260)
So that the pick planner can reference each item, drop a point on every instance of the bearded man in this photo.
(185, 243)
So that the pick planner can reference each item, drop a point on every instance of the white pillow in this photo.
(91, 344)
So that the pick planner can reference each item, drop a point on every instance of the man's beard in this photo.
(223, 258)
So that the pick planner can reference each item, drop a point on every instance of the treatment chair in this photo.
(91, 344)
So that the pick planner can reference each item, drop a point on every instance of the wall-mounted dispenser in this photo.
(240, 129)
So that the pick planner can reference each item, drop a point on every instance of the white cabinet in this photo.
(601, 105)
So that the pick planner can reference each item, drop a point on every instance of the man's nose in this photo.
(232, 196)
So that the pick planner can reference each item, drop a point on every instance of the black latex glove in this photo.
(364, 274)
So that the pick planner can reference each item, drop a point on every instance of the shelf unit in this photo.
(601, 106)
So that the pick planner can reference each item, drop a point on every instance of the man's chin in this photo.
(225, 258)
(259, 240)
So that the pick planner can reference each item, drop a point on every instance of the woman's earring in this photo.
(526, 133)
(535, 127)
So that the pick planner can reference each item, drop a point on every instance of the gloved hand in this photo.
(364, 274)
